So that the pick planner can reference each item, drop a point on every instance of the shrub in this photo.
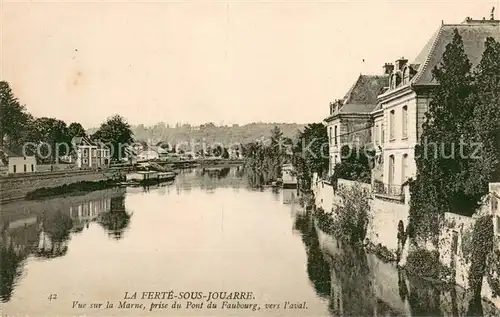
(426, 264)
(350, 219)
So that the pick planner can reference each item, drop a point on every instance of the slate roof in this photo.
(474, 34)
(362, 96)
(84, 140)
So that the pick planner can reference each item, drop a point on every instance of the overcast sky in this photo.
(201, 61)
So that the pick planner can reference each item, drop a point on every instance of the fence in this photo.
(390, 190)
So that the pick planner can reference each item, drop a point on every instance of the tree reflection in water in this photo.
(54, 235)
(116, 220)
(317, 267)
(359, 284)
(10, 270)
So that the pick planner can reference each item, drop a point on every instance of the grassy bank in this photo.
(73, 188)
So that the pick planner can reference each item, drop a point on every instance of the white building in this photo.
(148, 155)
(91, 154)
(398, 119)
(18, 164)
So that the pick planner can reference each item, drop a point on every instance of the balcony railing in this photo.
(395, 191)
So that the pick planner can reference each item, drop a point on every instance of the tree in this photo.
(310, 153)
(117, 133)
(51, 131)
(486, 120)
(76, 129)
(354, 165)
(13, 116)
(440, 181)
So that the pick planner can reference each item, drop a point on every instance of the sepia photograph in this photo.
(205, 158)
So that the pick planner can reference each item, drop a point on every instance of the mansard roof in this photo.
(473, 33)
(362, 96)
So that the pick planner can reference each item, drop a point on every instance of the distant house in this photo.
(17, 163)
(147, 155)
(91, 154)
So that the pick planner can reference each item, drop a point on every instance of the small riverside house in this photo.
(91, 154)
(17, 163)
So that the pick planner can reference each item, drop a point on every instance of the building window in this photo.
(330, 134)
(498, 224)
(405, 122)
(32, 168)
(494, 204)
(382, 132)
(391, 169)
(406, 75)
(25, 168)
(391, 124)
(335, 136)
(14, 169)
(404, 167)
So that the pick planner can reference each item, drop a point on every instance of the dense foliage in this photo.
(482, 246)
(264, 160)
(452, 175)
(18, 128)
(354, 165)
(349, 220)
(310, 154)
(115, 131)
(426, 264)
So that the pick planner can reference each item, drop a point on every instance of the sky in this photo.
(207, 61)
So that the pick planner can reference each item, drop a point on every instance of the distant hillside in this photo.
(210, 132)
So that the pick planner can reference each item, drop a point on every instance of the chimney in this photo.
(400, 63)
(388, 68)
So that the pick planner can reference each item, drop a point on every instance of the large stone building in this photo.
(404, 104)
(397, 114)
(350, 119)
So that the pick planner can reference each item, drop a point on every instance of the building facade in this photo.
(350, 119)
(91, 154)
(22, 164)
(403, 105)
(395, 115)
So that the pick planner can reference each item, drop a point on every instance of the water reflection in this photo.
(42, 229)
(317, 267)
(209, 179)
(116, 220)
(359, 284)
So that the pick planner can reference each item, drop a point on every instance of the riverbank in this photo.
(18, 186)
(71, 189)
(44, 184)
(386, 238)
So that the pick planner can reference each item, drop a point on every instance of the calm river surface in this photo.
(206, 232)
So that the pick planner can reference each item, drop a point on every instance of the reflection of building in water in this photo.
(86, 212)
(49, 248)
(289, 196)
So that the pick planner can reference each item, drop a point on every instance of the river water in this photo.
(146, 250)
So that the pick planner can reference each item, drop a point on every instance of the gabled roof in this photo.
(81, 140)
(474, 34)
(8, 153)
(85, 140)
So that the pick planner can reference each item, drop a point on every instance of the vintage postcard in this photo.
(249, 158)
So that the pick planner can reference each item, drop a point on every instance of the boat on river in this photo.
(149, 177)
